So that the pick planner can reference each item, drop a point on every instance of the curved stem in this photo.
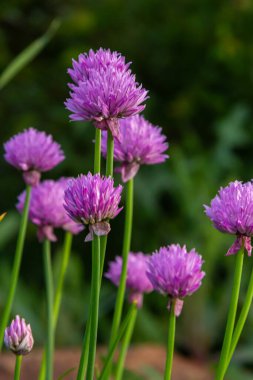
(95, 290)
(97, 153)
(125, 251)
(18, 367)
(125, 344)
(16, 265)
(242, 319)
(50, 323)
(171, 341)
(231, 316)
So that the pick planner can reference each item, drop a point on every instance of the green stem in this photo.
(50, 321)
(58, 293)
(109, 154)
(94, 309)
(171, 341)
(125, 344)
(242, 319)
(16, 266)
(121, 331)
(18, 367)
(97, 153)
(231, 316)
(85, 352)
(125, 252)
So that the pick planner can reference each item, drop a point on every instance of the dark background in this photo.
(196, 60)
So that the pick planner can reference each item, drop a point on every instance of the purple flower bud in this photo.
(139, 143)
(33, 152)
(137, 281)
(175, 272)
(46, 209)
(104, 90)
(231, 211)
(93, 200)
(18, 337)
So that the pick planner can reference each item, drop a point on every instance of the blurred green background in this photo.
(196, 60)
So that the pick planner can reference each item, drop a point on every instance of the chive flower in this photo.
(139, 143)
(46, 209)
(137, 281)
(93, 200)
(18, 337)
(231, 211)
(104, 90)
(33, 152)
(176, 273)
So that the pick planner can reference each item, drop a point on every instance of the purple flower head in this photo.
(18, 337)
(46, 209)
(140, 142)
(93, 200)
(231, 211)
(104, 90)
(137, 281)
(33, 152)
(175, 272)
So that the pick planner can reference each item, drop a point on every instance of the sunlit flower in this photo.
(18, 337)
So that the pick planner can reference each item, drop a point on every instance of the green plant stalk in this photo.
(94, 306)
(125, 252)
(125, 344)
(121, 331)
(242, 319)
(171, 342)
(16, 266)
(50, 301)
(58, 293)
(18, 367)
(231, 316)
(97, 153)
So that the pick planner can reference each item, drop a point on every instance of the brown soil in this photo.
(140, 359)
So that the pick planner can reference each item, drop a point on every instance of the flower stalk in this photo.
(171, 341)
(18, 367)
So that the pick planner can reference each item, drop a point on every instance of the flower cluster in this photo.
(93, 200)
(140, 142)
(175, 272)
(137, 281)
(231, 211)
(18, 337)
(104, 90)
(33, 152)
(46, 209)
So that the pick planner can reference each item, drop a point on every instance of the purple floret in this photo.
(104, 90)
(93, 200)
(18, 337)
(231, 211)
(33, 152)
(46, 209)
(175, 272)
(137, 281)
(139, 143)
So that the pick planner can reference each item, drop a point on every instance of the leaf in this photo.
(28, 54)
(66, 373)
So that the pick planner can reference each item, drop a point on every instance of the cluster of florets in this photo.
(18, 337)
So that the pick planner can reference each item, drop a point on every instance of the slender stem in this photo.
(85, 352)
(125, 344)
(125, 251)
(242, 319)
(171, 341)
(16, 265)
(109, 154)
(121, 331)
(50, 321)
(97, 153)
(58, 293)
(94, 309)
(231, 316)
(18, 367)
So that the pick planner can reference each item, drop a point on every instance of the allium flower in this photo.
(93, 200)
(46, 209)
(18, 337)
(175, 272)
(33, 152)
(231, 211)
(137, 281)
(140, 142)
(104, 90)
